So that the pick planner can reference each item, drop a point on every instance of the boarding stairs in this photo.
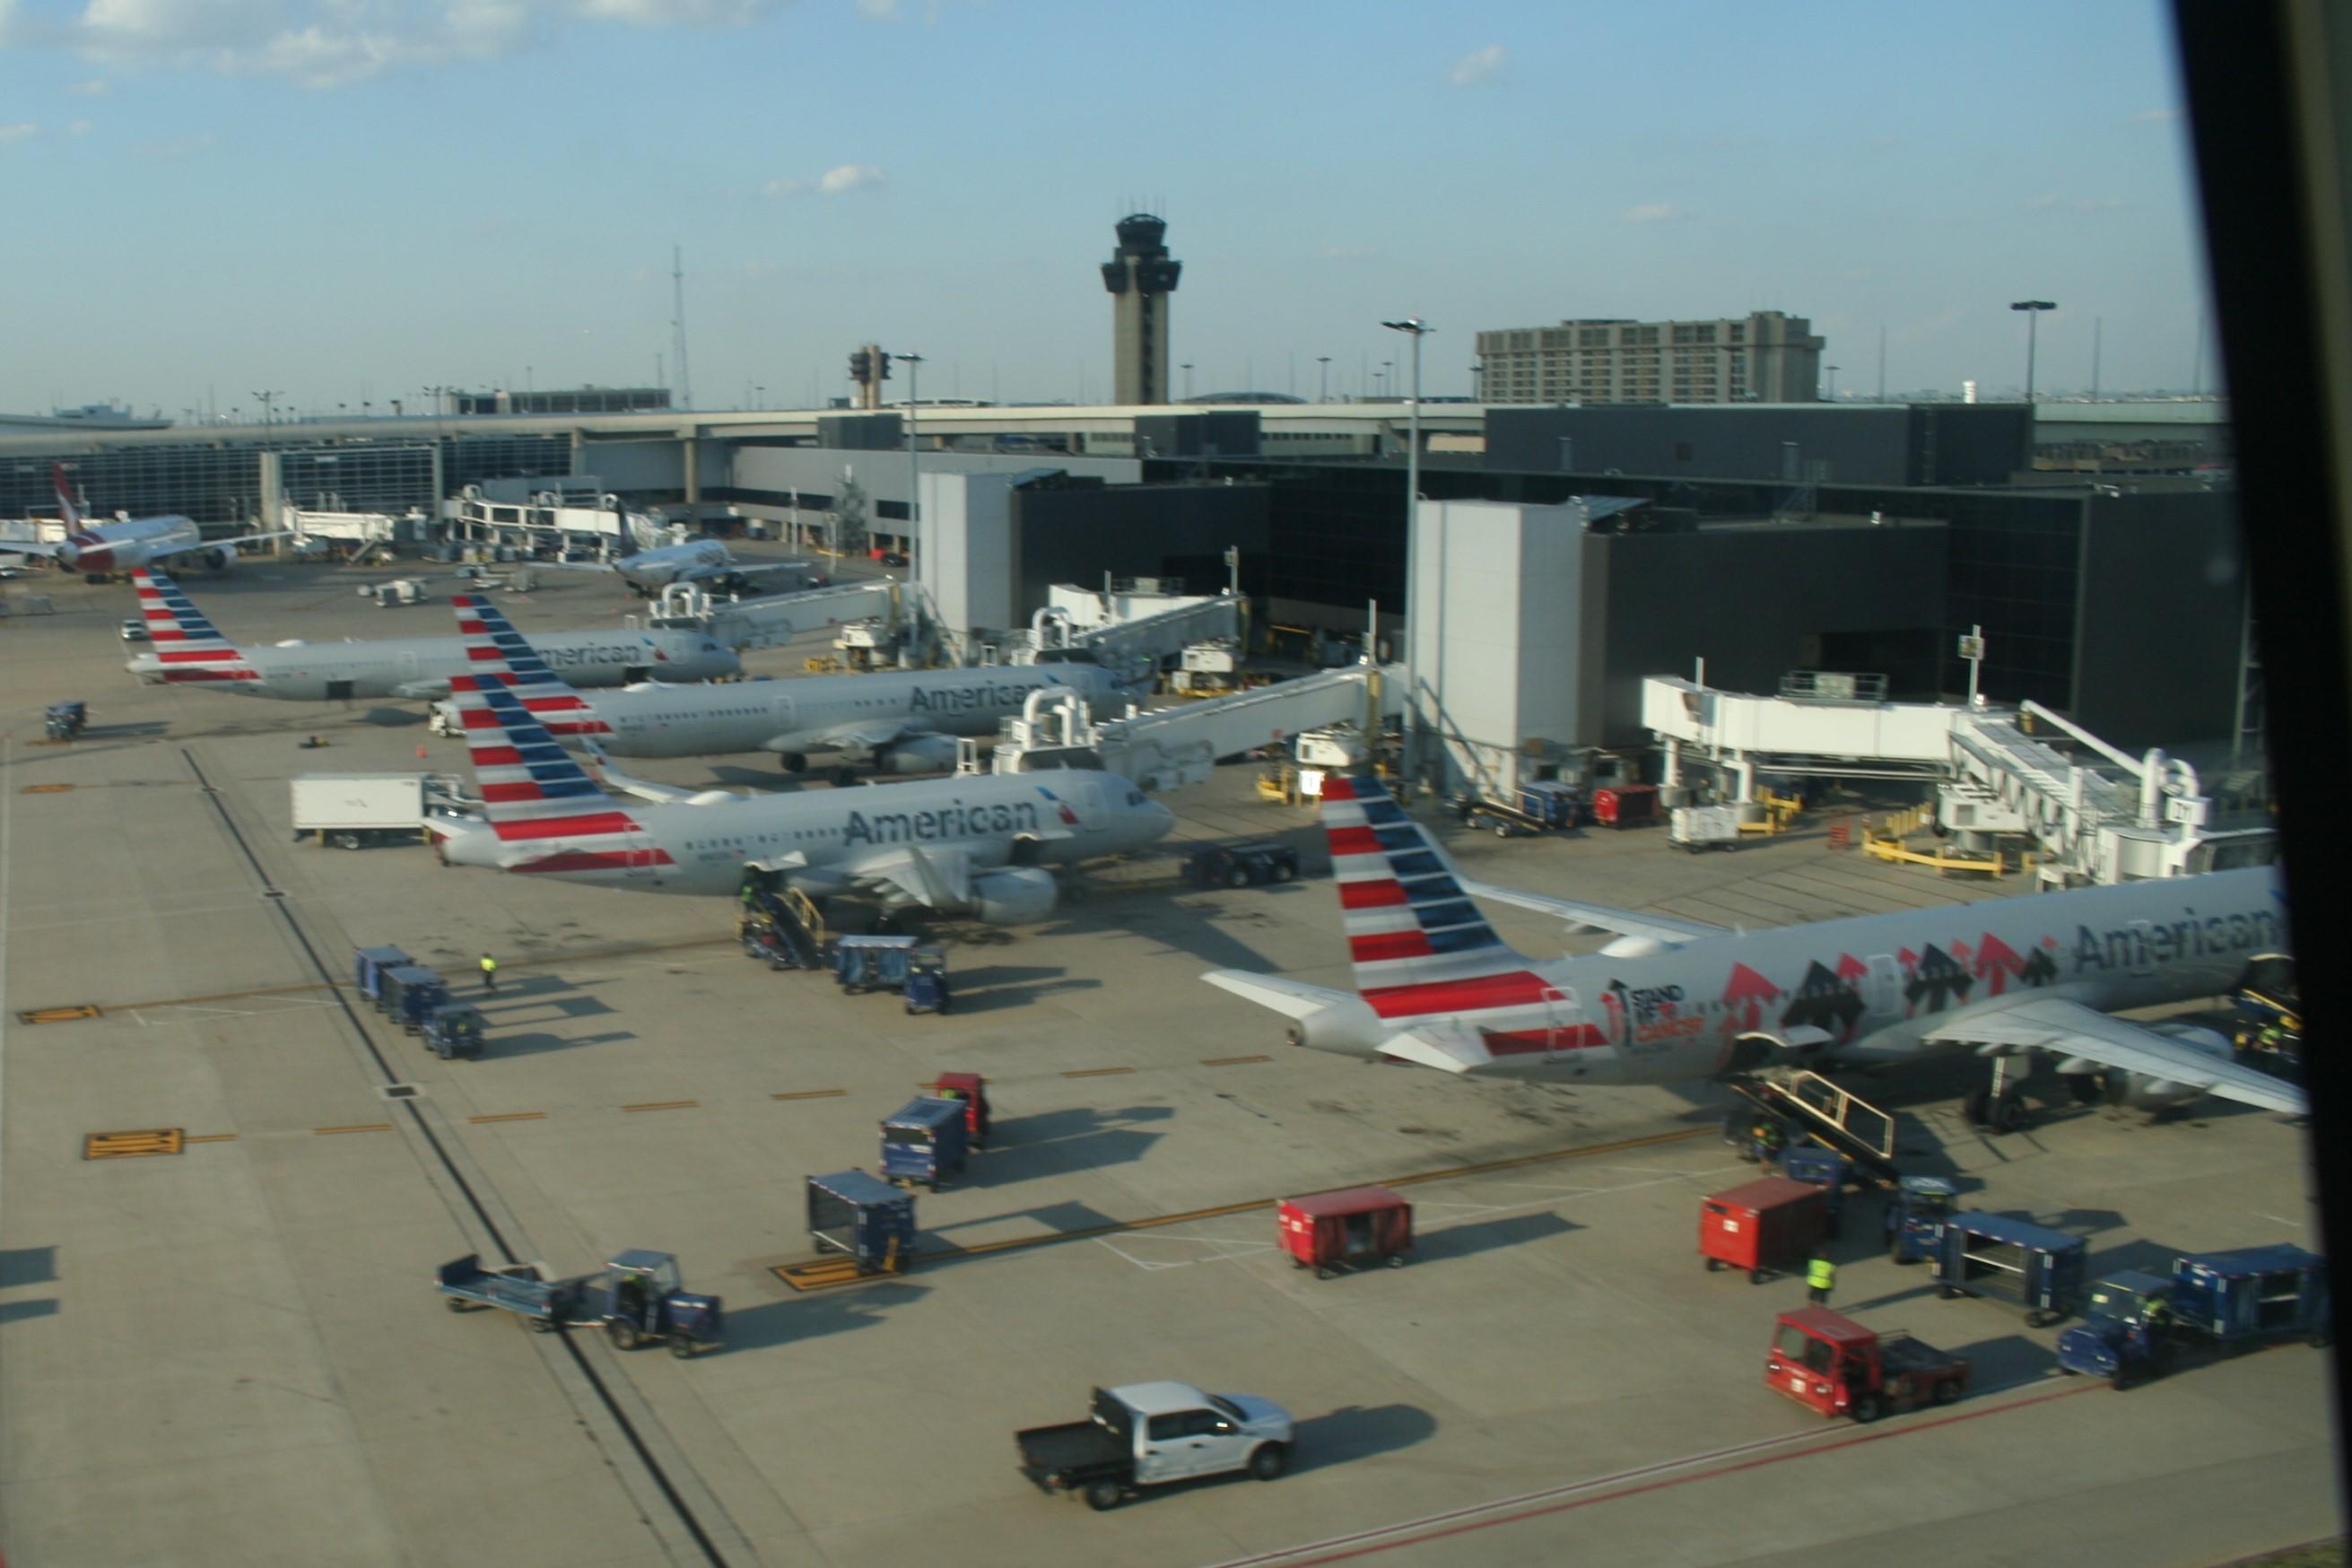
(797, 928)
(1830, 1116)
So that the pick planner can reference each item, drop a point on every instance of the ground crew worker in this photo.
(1768, 1137)
(1821, 1274)
(489, 974)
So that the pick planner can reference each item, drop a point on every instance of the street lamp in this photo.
(2032, 309)
(1415, 328)
(1323, 392)
(914, 363)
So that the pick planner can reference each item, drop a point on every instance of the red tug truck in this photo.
(1766, 1228)
(1831, 1364)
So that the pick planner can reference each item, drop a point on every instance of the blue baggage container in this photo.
(2253, 1293)
(2013, 1260)
(873, 1223)
(1551, 803)
(1823, 1168)
(925, 1142)
(409, 994)
(1914, 1217)
(368, 969)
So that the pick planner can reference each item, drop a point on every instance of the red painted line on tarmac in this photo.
(1367, 1543)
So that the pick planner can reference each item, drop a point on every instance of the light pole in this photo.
(1414, 608)
(914, 363)
(2032, 309)
(1388, 378)
(1323, 391)
(1187, 368)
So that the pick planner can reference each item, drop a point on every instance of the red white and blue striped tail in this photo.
(533, 792)
(492, 642)
(1420, 948)
(188, 646)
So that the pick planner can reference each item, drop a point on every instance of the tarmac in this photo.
(219, 1341)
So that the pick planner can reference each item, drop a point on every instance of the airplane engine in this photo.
(918, 754)
(2093, 1085)
(1014, 896)
(218, 560)
(1350, 1028)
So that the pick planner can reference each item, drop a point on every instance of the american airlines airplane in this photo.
(1671, 1001)
(189, 650)
(97, 550)
(977, 845)
(897, 721)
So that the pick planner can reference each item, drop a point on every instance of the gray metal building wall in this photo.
(2161, 615)
(1872, 444)
(1076, 534)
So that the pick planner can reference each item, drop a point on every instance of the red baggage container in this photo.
(1766, 1228)
(1353, 1228)
(1625, 806)
(972, 1090)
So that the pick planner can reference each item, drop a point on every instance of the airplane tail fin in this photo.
(188, 648)
(534, 792)
(65, 508)
(1420, 946)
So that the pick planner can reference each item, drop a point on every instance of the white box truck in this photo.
(352, 811)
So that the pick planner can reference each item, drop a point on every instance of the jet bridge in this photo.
(1177, 746)
(1992, 775)
(776, 619)
(1130, 643)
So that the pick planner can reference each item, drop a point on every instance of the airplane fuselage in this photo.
(811, 714)
(123, 546)
(415, 666)
(649, 571)
(1876, 984)
(995, 820)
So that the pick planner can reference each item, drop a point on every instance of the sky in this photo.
(341, 202)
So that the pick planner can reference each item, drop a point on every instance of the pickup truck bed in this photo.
(1902, 1355)
(549, 1303)
(1070, 1454)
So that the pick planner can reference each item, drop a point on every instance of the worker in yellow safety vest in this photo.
(1821, 1274)
(489, 974)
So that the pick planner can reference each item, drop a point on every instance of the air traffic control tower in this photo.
(1140, 277)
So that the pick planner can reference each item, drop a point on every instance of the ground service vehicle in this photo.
(893, 964)
(864, 1219)
(972, 1090)
(1767, 1227)
(134, 630)
(924, 1141)
(2116, 1339)
(408, 995)
(1830, 1363)
(2252, 1294)
(2011, 1260)
(1241, 865)
(1147, 1434)
(2269, 1007)
(1915, 1213)
(1354, 1228)
(453, 1029)
(1823, 1168)
(351, 811)
(65, 720)
(638, 1297)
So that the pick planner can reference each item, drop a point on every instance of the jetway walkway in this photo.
(777, 618)
(1177, 746)
(1992, 773)
(1128, 645)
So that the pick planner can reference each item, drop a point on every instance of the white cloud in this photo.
(784, 187)
(328, 43)
(94, 87)
(22, 129)
(1477, 66)
(1655, 212)
(850, 177)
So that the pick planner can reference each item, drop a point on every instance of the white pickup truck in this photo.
(1147, 1434)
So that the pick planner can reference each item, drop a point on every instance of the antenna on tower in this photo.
(677, 325)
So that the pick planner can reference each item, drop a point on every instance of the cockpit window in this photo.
(1135, 798)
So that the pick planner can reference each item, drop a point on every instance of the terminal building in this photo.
(1761, 539)
(1766, 357)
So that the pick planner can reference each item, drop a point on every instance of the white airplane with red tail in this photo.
(1672, 1001)
(96, 550)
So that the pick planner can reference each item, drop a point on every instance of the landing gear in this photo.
(843, 776)
(794, 761)
(1997, 1106)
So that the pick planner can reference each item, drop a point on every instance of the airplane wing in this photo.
(30, 547)
(1666, 929)
(862, 735)
(231, 541)
(2050, 1024)
(936, 879)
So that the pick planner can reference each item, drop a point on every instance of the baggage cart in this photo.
(1625, 806)
(1766, 1228)
(2013, 1260)
(1823, 1168)
(864, 1219)
(2253, 1294)
(1697, 827)
(2120, 1337)
(924, 1141)
(453, 1029)
(368, 966)
(1916, 1216)
(408, 995)
(1353, 1228)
